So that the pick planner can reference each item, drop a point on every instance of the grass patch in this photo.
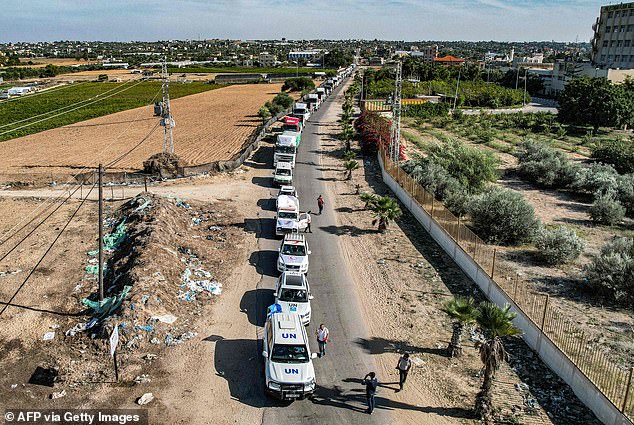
(135, 96)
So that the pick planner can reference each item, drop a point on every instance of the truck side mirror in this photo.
(313, 355)
(310, 297)
(309, 252)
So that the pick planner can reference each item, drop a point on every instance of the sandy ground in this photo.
(210, 126)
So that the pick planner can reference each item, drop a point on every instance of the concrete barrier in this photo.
(550, 354)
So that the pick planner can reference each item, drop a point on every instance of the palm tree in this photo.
(347, 134)
(348, 155)
(369, 199)
(385, 209)
(350, 167)
(496, 323)
(463, 312)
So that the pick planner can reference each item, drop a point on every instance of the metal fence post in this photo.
(493, 263)
(545, 311)
(627, 390)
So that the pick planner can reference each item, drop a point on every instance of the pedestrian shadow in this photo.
(347, 230)
(377, 345)
(360, 382)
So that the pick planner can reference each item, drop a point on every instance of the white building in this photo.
(267, 60)
(309, 55)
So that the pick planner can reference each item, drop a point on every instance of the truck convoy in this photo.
(288, 366)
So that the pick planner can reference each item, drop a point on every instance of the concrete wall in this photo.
(587, 392)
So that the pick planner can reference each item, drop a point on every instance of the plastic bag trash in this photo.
(93, 253)
(92, 269)
(115, 238)
(166, 318)
(80, 327)
(14, 386)
(142, 206)
(9, 273)
(145, 399)
(145, 327)
(59, 394)
(521, 386)
(108, 305)
(48, 336)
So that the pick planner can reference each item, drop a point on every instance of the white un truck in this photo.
(288, 365)
(293, 255)
(288, 218)
(283, 174)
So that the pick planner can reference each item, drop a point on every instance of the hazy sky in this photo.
(126, 20)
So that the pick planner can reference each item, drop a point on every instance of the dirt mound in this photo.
(163, 164)
(167, 259)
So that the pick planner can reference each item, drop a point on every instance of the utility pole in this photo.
(517, 78)
(395, 139)
(525, 84)
(100, 172)
(455, 99)
(166, 117)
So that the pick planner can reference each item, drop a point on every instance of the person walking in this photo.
(404, 365)
(320, 204)
(371, 384)
(322, 339)
(308, 229)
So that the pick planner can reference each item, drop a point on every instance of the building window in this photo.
(602, 58)
(631, 12)
(617, 58)
(610, 14)
(605, 43)
(608, 29)
(610, 58)
(619, 43)
(629, 28)
(612, 43)
(626, 43)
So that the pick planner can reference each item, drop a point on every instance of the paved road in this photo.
(340, 398)
(537, 105)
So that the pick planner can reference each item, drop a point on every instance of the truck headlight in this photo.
(274, 386)
(280, 263)
(310, 385)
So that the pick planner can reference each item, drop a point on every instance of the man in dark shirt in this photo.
(371, 384)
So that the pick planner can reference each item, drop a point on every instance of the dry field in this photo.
(210, 126)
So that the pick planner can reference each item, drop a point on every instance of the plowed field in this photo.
(210, 126)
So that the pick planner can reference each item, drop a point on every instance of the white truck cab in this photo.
(301, 109)
(313, 101)
(293, 254)
(288, 190)
(288, 365)
(283, 174)
(285, 149)
(292, 294)
(288, 218)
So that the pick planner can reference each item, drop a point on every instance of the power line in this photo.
(71, 110)
(115, 161)
(8, 303)
(13, 99)
(65, 107)
(35, 228)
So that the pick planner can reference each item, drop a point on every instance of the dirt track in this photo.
(210, 126)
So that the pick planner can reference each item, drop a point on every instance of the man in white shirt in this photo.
(404, 365)
(322, 339)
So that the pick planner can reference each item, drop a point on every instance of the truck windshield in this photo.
(283, 172)
(289, 127)
(300, 111)
(285, 149)
(287, 215)
(294, 295)
(293, 249)
(289, 353)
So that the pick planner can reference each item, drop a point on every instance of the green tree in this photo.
(385, 209)
(495, 323)
(298, 84)
(463, 312)
(596, 102)
(347, 134)
(350, 166)
(284, 100)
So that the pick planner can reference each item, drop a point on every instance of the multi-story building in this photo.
(427, 53)
(267, 60)
(308, 55)
(613, 41)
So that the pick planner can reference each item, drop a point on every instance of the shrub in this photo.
(427, 110)
(374, 130)
(560, 245)
(612, 271)
(264, 113)
(544, 165)
(618, 153)
(503, 216)
(597, 179)
(472, 167)
(274, 108)
(298, 84)
(625, 192)
(607, 210)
